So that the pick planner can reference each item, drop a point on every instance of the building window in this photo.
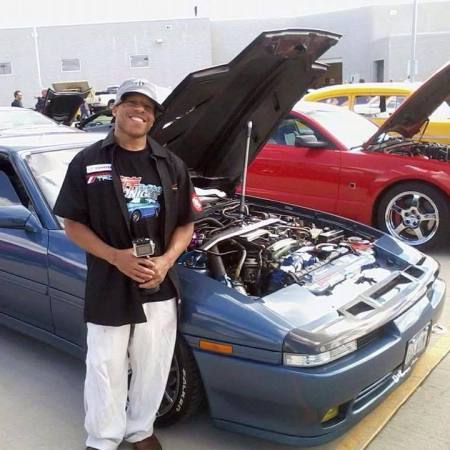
(139, 61)
(5, 68)
(70, 65)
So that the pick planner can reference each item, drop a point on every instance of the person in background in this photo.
(85, 112)
(17, 102)
(41, 101)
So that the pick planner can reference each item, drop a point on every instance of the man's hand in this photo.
(138, 269)
(159, 265)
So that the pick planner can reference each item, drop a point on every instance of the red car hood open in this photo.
(415, 110)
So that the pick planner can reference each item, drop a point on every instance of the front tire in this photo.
(415, 213)
(184, 394)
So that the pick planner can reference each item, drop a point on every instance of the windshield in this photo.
(49, 169)
(349, 128)
(23, 118)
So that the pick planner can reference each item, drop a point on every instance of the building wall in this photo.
(174, 47)
(432, 51)
(17, 48)
(230, 36)
(368, 34)
(178, 47)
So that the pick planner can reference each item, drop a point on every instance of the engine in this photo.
(429, 150)
(262, 251)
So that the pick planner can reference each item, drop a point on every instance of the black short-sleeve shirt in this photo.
(92, 195)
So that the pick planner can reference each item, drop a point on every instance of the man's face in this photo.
(19, 96)
(135, 115)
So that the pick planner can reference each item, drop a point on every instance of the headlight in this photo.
(298, 360)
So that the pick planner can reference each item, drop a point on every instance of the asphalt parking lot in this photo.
(42, 408)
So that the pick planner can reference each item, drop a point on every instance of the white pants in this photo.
(146, 347)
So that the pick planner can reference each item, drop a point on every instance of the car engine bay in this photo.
(264, 250)
(429, 150)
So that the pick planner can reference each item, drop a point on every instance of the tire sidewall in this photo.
(181, 407)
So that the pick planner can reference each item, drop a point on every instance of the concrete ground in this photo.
(41, 405)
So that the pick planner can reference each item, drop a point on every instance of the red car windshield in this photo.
(349, 128)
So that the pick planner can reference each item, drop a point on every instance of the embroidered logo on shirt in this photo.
(98, 168)
(98, 172)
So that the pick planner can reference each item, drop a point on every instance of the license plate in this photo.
(416, 345)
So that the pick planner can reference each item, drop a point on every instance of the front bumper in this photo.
(286, 404)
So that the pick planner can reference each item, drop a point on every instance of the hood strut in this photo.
(244, 173)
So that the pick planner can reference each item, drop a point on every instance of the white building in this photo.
(376, 45)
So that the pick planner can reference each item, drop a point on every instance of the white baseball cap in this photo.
(138, 86)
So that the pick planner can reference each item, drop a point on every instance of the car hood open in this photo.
(206, 116)
(416, 109)
(63, 106)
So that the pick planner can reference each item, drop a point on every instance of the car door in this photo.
(66, 261)
(67, 276)
(297, 173)
(23, 255)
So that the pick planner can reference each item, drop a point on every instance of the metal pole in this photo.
(38, 60)
(413, 62)
(244, 179)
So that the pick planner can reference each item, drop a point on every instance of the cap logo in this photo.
(138, 83)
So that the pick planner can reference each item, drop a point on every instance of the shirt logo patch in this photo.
(98, 168)
(196, 203)
(94, 177)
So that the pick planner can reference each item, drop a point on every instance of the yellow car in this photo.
(377, 101)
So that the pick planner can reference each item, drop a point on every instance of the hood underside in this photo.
(408, 119)
(206, 116)
(63, 106)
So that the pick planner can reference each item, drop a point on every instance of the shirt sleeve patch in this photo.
(196, 203)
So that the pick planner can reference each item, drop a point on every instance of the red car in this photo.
(329, 158)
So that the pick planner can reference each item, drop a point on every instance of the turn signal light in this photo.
(216, 347)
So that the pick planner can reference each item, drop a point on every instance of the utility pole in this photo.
(412, 66)
(38, 59)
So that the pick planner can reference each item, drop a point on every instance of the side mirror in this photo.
(309, 141)
(18, 217)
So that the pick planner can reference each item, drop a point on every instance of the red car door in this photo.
(292, 172)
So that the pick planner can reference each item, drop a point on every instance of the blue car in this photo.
(295, 323)
(142, 208)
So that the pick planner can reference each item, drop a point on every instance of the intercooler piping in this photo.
(216, 265)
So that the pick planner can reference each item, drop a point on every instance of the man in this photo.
(41, 101)
(119, 194)
(17, 102)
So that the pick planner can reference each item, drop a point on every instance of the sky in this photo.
(26, 13)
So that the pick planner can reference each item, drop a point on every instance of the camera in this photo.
(143, 247)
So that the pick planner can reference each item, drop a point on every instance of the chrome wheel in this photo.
(173, 387)
(412, 217)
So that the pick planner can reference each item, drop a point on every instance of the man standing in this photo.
(130, 204)
(17, 102)
(41, 101)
